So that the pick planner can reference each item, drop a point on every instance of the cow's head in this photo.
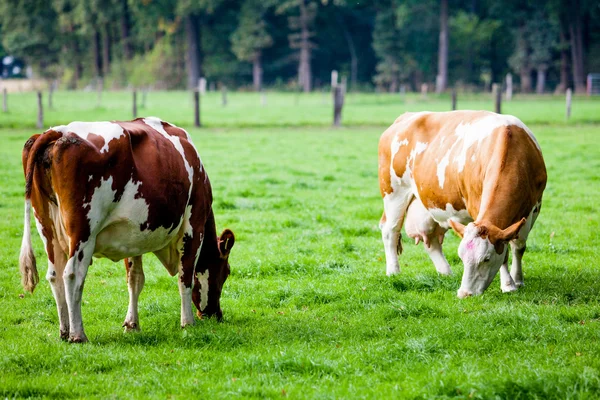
(209, 284)
(483, 250)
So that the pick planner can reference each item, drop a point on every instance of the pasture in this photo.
(308, 310)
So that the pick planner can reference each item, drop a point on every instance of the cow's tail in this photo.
(27, 265)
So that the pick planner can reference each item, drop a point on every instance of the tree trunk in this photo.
(127, 53)
(257, 71)
(96, 53)
(105, 51)
(304, 72)
(442, 77)
(575, 31)
(192, 33)
(352, 50)
(525, 74)
(540, 85)
(564, 63)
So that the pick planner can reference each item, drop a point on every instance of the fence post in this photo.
(453, 99)
(99, 86)
(4, 100)
(202, 86)
(224, 95)
(497, 92)
(134, 104)
(424, 88)
(509, 87)
(263, 97)
(196, 109)
(569, 99)
(40, 118)
(338, 104)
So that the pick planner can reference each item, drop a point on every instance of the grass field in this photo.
(308, 310)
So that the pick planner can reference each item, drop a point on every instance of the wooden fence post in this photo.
(509, 87)
(134, 104)
(40, 118)
(424, 88)
(338, 104)
(99, 86)
(224, 95)
(4, 100)
(196, 109)
(453, 99)
(569, 99)
(497, 92)
(263, 98)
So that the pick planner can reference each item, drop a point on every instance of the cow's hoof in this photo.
(519, 284)
(445, 272)
(64, 335)
(392, 271)
(508, 288)
(78, 339)
(131, 327)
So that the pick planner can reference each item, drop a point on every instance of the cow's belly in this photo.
(125, 239)
(442, 216)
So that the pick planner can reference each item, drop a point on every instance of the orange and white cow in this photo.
(450, 169)
(120, 190)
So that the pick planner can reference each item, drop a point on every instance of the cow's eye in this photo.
(487, 259)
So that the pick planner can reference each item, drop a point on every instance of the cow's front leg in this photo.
(74, 278)
(135, 284)
(518, 247)
(395, 205)
(54, 277)
(506, 281)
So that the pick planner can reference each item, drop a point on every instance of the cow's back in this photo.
(448, 158)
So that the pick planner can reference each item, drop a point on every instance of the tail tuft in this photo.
(27, 264)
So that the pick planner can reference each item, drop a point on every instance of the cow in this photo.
(480, 173)
(119, 190)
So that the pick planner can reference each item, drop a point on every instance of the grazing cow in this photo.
(119, 190)
(448, 169)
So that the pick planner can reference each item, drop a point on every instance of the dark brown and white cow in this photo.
(120, 190)
(447, 169)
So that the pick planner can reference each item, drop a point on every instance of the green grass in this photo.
(308, 310)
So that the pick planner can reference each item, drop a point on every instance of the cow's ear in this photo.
(507, 234)
(458, 227)
(226, 241)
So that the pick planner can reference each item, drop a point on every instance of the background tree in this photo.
(441, 80)
(251, 37)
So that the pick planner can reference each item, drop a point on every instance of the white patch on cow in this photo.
(105, 129)
(119, 224)
(419, 148)
(100, 204)
(441, 169)
(475, 132)
(442, 216)
(203, 279)
(156, 124)
(90, 177)
(473, 158)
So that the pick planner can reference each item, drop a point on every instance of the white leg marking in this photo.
(203, 279)
(187, 315)
(506, 282)
(74, 278)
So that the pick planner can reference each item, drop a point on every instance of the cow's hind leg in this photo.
(135, 284)
(395, 205)
(54, 277)
(74, 278)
